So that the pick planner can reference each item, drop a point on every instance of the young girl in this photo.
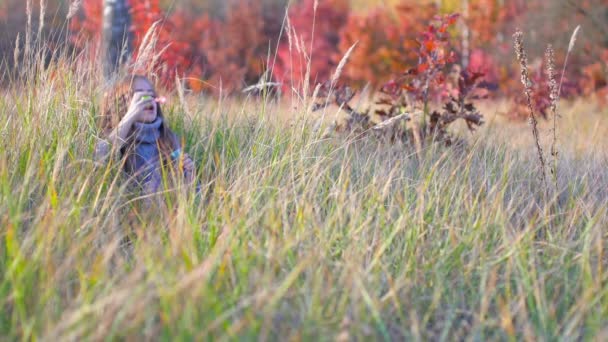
(134, 127)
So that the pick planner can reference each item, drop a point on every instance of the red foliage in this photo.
(169, 56)
(541, 100)
(86, 26)
(238, 48)
(426, 81)
(200, 28)
(595, 78)
(482, 62)
(234, 51)
(409, 95)
(320, 50)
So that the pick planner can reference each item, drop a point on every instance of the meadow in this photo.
(300, 231)
(295, 235)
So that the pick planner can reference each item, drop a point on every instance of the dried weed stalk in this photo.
(522, 58)
(553, 97)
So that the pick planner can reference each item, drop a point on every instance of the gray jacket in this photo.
(143, 163)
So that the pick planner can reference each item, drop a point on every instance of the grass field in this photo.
(295, 236)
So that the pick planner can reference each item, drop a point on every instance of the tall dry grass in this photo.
(294, 236)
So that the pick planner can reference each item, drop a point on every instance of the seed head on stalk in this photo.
(554, 98)
(522, 58)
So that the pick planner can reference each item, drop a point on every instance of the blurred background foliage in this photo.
(228, 45)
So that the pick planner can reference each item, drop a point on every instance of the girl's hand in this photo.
(188, 163)
(189, 170)
(136, 111)
(140, 101)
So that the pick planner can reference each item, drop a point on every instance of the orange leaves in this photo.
(423, 67)
(430, 45)
(237, 48)
(377, 51)
(449, 21)
(386, 42)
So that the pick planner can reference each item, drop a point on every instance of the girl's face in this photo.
(141, 85)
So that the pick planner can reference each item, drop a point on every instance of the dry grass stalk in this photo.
(342, 63)
(328, 92)
(298, 44)
(570, 48)
(17, 51)
(306, 85)
(392, 121)
(555, 92)
(289, 28)
(290, 41)
(28, 28)
(315, 95)
(522, 58)
(264, 85)
(417, 137)
(573, 38)
(41, 18)
(74, 8)
(145, 54)
(554, 97)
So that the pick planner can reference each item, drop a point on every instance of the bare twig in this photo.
(392, 121)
